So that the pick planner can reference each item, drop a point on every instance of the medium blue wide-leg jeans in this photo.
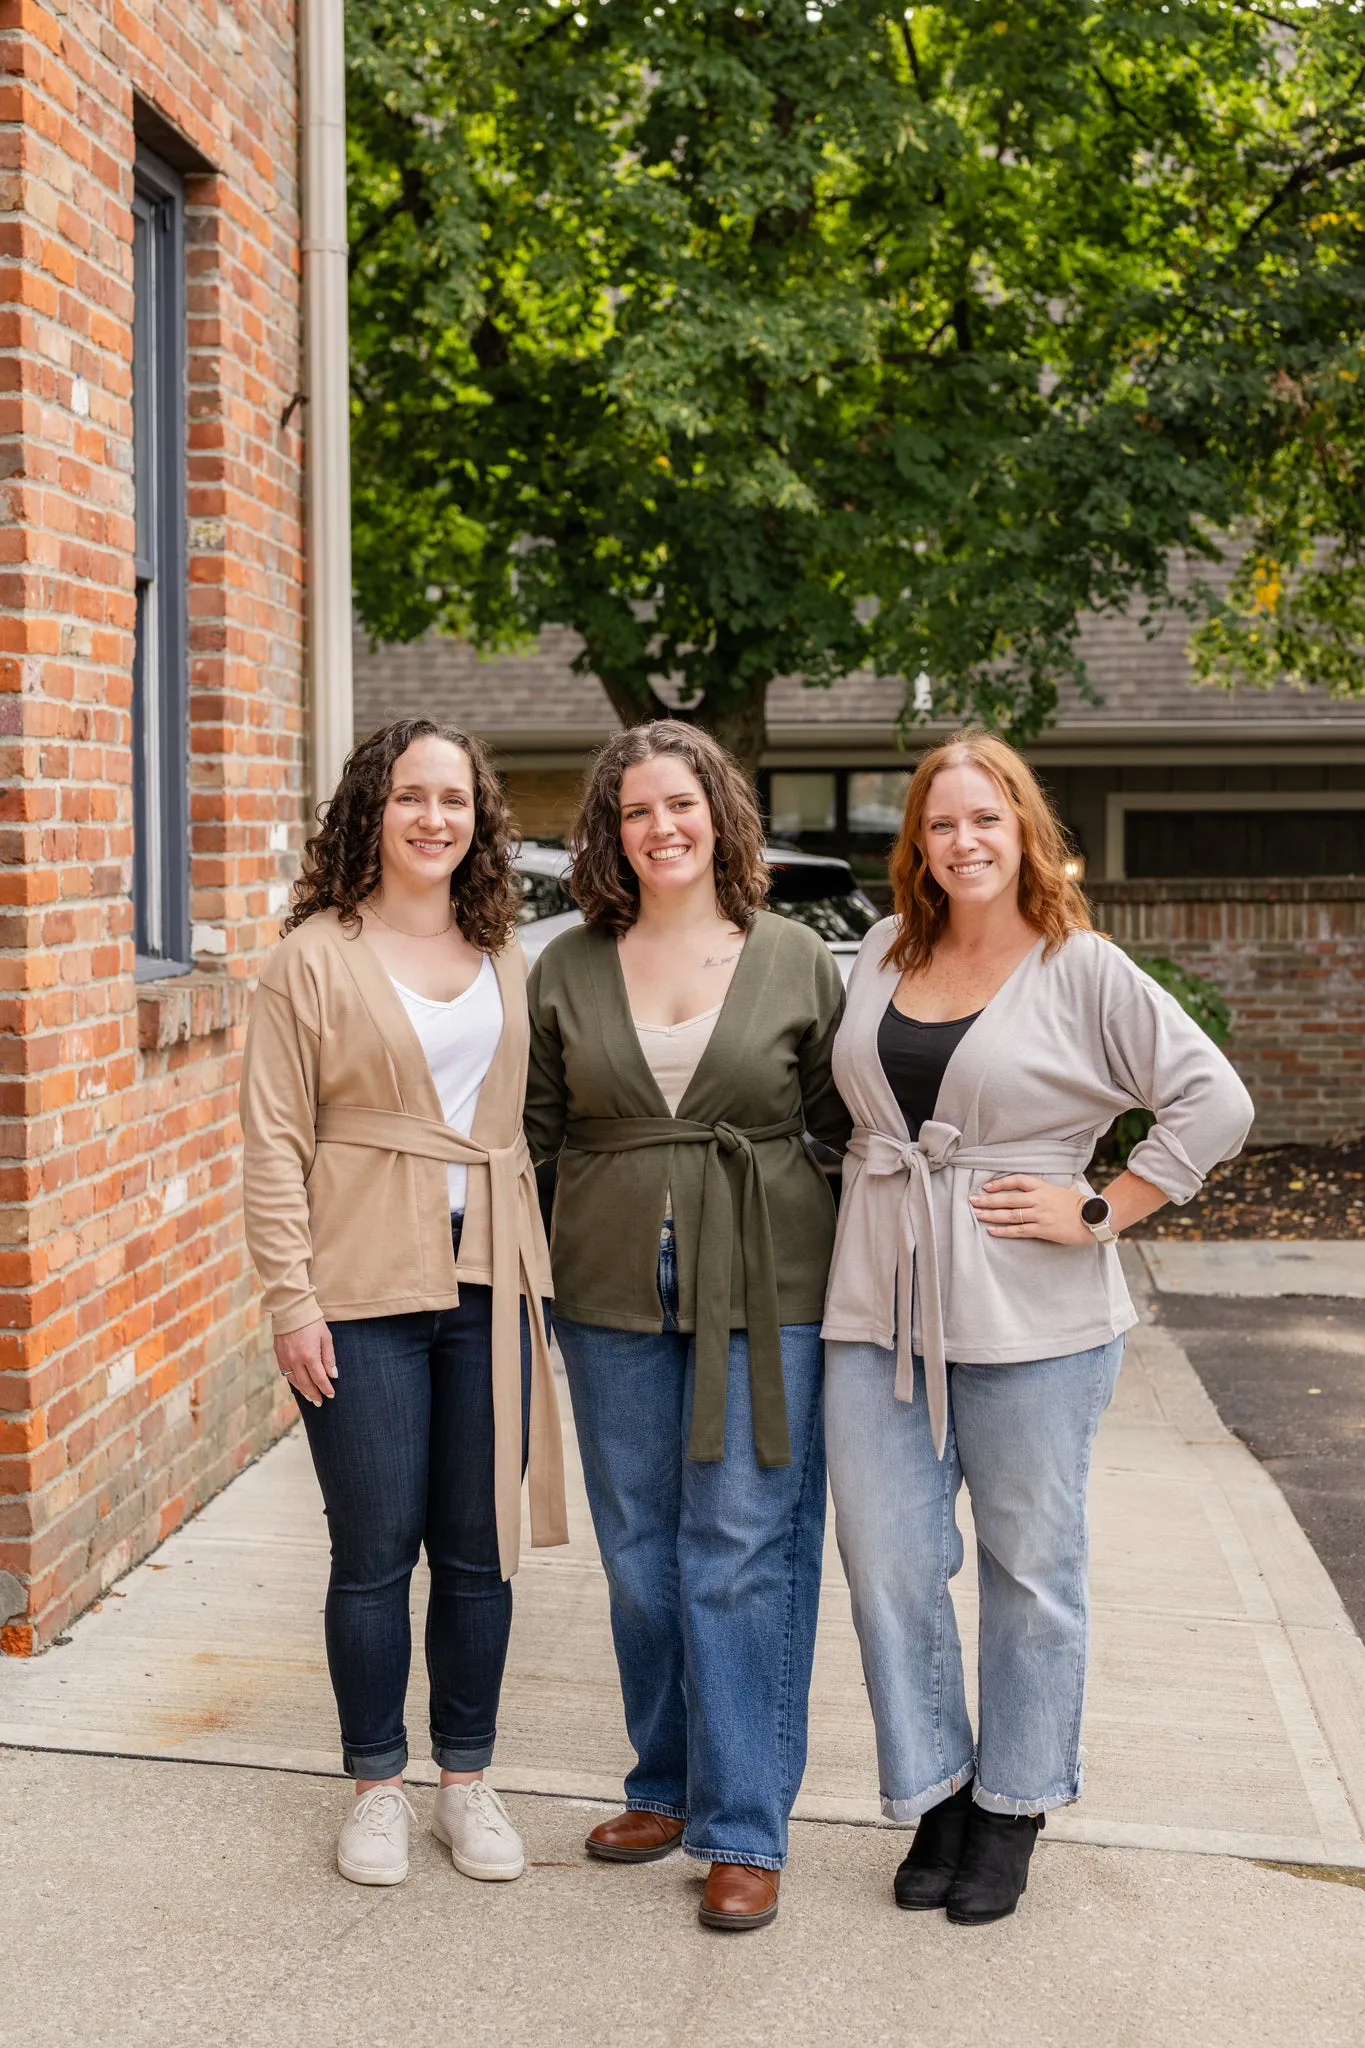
(714, 1576)
(1021, 1436)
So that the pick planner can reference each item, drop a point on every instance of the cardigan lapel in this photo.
(412, 1073)
(980, 1049)
(738, 1004)
(497, 1115)
(858, 1071)
(623, 1040)
(640, 1091)
(416, 1089)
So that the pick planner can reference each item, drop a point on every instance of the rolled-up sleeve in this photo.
(1202, 1110)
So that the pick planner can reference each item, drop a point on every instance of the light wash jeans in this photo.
(1021, 1437)
(714, 1576)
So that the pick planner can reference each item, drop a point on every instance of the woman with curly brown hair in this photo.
(976, 1309)
(391, 1213)
(680, 1048)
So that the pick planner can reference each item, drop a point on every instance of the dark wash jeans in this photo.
(404, 1457)
(713, 1572)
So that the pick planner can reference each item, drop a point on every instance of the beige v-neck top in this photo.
(345, 1193)
(673, 1052)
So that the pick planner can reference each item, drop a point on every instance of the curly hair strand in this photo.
(341, 862)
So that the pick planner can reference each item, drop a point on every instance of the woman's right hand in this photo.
(308, 1362)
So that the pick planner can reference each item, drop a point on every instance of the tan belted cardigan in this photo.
(1070, 1041)
(347, 1208)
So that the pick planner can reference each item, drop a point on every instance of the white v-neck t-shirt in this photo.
(459, 1040)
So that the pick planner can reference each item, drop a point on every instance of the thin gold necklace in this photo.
(410, 935)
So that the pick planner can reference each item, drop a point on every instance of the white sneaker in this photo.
(372, 1847)
(476, 1828)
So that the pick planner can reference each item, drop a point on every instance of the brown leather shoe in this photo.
(635, 1837)
(738, 1897)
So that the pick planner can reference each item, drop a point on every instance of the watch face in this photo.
(1095, 1211)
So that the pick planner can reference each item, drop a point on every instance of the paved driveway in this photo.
(1280, 1347)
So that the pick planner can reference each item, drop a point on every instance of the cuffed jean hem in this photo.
(450, 1756)
(1019, 1809)
(906, 1810)
(375, 1763)
(734, 1856)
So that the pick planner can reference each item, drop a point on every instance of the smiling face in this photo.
(429, 817)
(667, 834)
(970, 836)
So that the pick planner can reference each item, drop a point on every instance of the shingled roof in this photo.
(519, 701)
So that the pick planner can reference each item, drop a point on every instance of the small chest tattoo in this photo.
(719, 959)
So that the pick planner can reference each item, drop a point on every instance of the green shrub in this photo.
(1198, 998)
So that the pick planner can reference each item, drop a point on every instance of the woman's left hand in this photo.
(1021, 1205)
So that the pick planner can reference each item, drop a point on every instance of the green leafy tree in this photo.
(796, 339)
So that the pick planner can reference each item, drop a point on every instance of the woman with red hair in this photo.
(976, 1308)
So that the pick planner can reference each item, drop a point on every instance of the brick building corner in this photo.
(132, 1377)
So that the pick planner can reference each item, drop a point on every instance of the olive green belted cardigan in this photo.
(752, 1214)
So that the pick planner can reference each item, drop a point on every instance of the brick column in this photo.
(132, 1381)
(1290, 959)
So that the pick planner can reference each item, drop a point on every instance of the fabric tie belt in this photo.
(731, 1180)
(510, 1207)
(919, 1298)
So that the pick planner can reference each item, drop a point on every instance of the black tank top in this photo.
(914, 1057)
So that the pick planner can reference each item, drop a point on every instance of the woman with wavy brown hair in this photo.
(976, 1309)
(680, 1049)
(391, 1214)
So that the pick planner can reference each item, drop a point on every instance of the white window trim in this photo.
(1120, 801)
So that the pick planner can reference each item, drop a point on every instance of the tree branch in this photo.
(1303, 174)
(1117, 101)
(908, 38)
(1264, 14)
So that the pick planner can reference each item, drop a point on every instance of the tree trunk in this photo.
(740, 726)
(632, 705)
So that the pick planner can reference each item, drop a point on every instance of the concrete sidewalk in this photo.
(1226, 1721)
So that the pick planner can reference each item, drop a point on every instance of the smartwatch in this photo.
(1095, 1217)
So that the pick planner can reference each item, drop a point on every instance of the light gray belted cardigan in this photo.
(1067, 1044)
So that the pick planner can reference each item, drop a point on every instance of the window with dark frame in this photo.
(161, 877)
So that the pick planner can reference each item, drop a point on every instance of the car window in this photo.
(542, 896)
(825, 898)
(849, 917)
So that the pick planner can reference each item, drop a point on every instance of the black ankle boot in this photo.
(923, 1880)
(993, 1872)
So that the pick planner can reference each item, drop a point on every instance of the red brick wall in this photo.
(132, 1381)
(1290, 959)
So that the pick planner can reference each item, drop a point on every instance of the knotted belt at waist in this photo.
(919, 1298)
(390, 1130)
(730, 1171)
